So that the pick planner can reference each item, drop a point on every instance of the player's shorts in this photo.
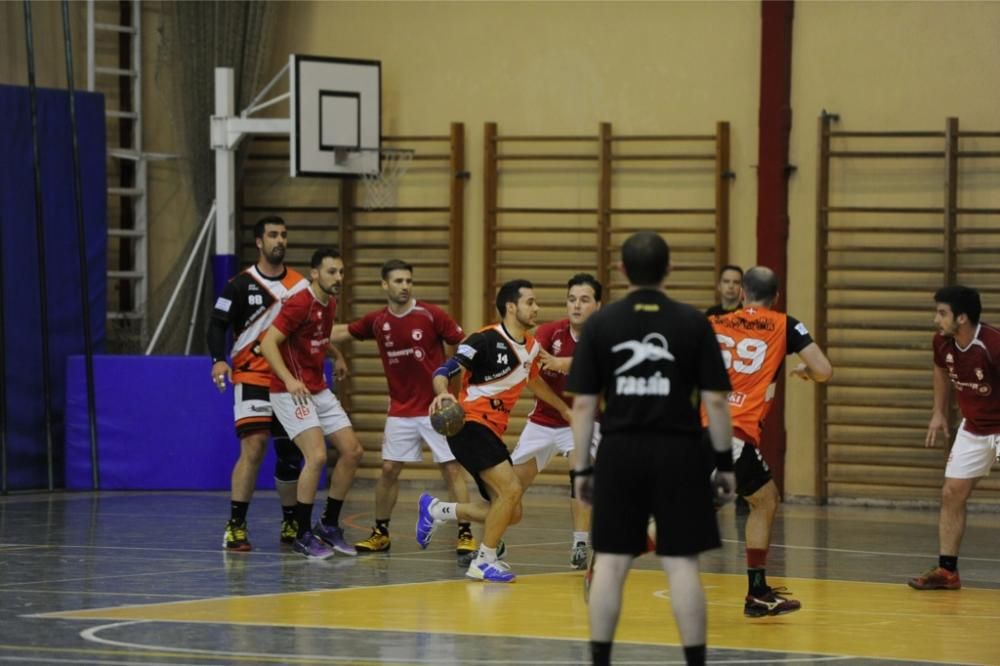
(752, 472)
(323, 411)
(666, 477)
(542, 442)
(403, 435)
(477, 448)
(972, 456)
(251, 409)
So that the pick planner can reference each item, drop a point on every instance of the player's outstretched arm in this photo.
(340, 334)
(815, 365)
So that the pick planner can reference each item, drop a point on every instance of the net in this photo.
(382, 186)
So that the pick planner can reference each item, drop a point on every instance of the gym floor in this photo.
(140, 578)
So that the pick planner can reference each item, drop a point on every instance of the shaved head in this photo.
(760, 285)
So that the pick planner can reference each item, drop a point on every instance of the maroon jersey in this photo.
(557, 339)
(411, 347)
(975, 373)
(307, 323)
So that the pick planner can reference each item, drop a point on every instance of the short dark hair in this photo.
(321, 254)
(258, 229)
(961, 300)
(646, 257)
(760, 285)
(730, 267)
(395, 265)
(586, 278)
(510, 292)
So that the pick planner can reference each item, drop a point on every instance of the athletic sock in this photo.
(756, 581)
(303, 516)
(331, 516)
(949, 562)
(581, 537)
(444, 510)
(465, 528)
(238, 512)
(288, 512)
(382, 526)
(600, 653)
(694, 655)
(486, 554)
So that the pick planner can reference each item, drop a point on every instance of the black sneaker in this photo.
(772, 602)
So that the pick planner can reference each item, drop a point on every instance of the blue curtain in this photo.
(24, 411)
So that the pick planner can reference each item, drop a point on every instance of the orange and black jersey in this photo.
(754, 342)
(497, 370)
(249, 304)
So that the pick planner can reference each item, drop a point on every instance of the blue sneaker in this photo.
(425, 521)
(333, 536)
(493, 572)
(312, 547)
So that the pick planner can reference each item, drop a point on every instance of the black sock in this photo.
(949, 562)
(303, 516)
(382, 526)
(288, 512)
(238, 512)
(600, 653)
(757, 580)
(465, 528)
(695, 655)
(331, 517)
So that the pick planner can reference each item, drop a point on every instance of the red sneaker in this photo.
(937, 578)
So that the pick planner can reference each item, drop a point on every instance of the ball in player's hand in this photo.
(448, 420)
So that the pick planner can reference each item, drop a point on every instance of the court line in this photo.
(91, 635)
(95, 662)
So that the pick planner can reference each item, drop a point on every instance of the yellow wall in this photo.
(881, 66)
(550, 68)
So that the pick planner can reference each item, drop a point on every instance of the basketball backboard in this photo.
(336, 116)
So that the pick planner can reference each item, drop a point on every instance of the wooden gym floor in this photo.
(140, 578)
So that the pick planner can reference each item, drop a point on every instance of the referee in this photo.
(647, 355)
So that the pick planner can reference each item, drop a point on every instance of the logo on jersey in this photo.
(653, 347)
(737, 398)
(386, 327)
(498, 406)
(979, 374)
(417, 334)
(557, 347)
(801, 328)
(949, 358)
(301, 412)
(223, 304)
(252, 287)
(418, 353)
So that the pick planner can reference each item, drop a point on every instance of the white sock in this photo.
(581, 537)
(445, 511)
(487, 554)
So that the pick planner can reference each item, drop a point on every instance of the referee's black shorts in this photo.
(476, 448)
(666, 477)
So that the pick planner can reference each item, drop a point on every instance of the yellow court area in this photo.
(873, 620)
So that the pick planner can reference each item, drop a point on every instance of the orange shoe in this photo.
(937, 578)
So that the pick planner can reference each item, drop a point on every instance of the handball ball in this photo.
(448, 420)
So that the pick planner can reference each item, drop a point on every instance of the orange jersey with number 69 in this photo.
(754, 342)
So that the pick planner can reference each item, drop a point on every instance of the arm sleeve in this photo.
(585, 372)
(362, 329)
(471, 347)
(446, 327)
(797, 335)
(291, 316)
(712, 375)
(223, 313)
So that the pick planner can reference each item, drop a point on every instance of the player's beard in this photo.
(276, 256)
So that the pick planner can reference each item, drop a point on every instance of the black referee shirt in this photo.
(647, 355)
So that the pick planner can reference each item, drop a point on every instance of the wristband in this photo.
(724, 461)
(589, 471)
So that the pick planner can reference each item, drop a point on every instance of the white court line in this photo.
(51, 660)
(91, 635)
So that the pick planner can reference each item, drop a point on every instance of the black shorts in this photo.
(666, 477)
(752, 472)
(476, 448)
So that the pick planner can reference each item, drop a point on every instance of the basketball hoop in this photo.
(382, 185)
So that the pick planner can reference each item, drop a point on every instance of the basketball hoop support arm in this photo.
(227, 132)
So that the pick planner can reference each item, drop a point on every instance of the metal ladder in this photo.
(118, 37)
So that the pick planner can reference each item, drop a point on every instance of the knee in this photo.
(511, 489)
(315, 457)
(765, 499)
(353, 455)
(253, 448)
(953, 495)
(518, 513)
(390, 471)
